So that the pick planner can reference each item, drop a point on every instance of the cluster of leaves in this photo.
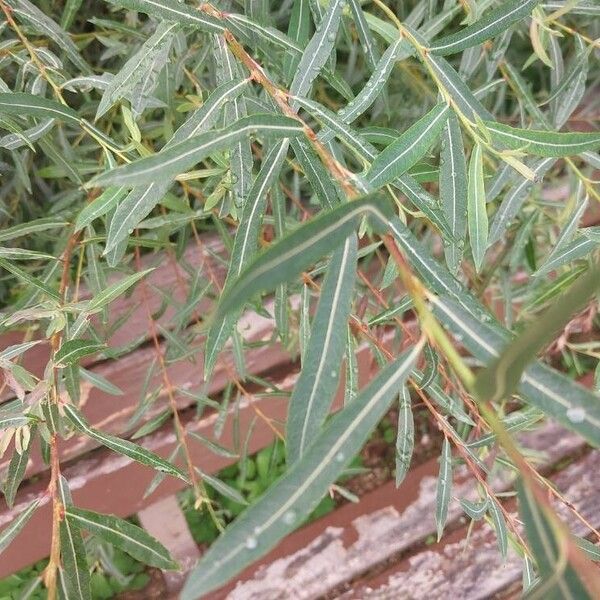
(390, 156)
(112, 571)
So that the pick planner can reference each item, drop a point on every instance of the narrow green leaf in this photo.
(317, 50)
(500, 378)
(100, 206)
(137, 67)
(364, 34)
(72, 351)
(121, 446)
(546, 549)
(172, 10)
(476, 208)
(9, 533)
(453, 190)
(572, 405)
(410, 147)
(20, 103)
(299, 249)
(444, 488)
(22, 229)
(124, 535)
(113, 291)
(405, 438)
(543, 143)
(16, 471)
(75, 569)
(25, 277)
(319, 378)
(292, 498)
(180, 157)
(493, 23)
(499, 526)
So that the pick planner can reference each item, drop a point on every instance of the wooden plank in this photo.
(383, 527)
(475, 570)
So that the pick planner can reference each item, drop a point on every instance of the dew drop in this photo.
(331, 37)
(251, 543)
(130, 231)
(333, 373)
(339, 457)
(576, 414)
(289, 517)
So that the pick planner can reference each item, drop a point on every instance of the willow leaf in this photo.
(444, 488)
(9, 533)
(493, 23)
(121, 446)
(25, 277)
(300, 249)
(124, 535)
(76, 573)
(500, 378)
(405, 437)
(292, 498)
(453, 190)
(22, 104)
(318, 50)
(183, 155)
(113, 291)
(100, 206)
(411, 146)
(137, 67)
(364, 34)
(16, 471)
(580, 247)
(555, 394)
(142, 199)
(171, 10)
(34, 226)
(543, 143)
(476, 209)
(318, 381)
(547, 552)
(72, 351)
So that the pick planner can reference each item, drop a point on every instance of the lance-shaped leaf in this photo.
(301, 248)
(405, 438)
(100, 206)
(172, 10)
(245, 246)
(444, 488)
(125, 447)
(16, 471)
(476, 209)
(292, 498)
(556, 572)
(364, 34)
(43, 24)
(9, 533)
(72, 351)
(124, 535)
(560, 398)
(76, 573)
(318, 50)
(318, 381)
(453, 190)
(142, 199)
(23, 229)
(137, 67)
(22, 104)
(410, 147)
(180, 157)
(543, 143)
(580, 247)
(493, 23)
(500, 378)
(25, 277)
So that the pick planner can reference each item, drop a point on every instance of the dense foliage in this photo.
(423, 168)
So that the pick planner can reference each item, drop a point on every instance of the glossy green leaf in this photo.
(292, 498)
(476, 208)
(124, 535)
(300, 248)
(410, 147)
(20, 103)
(183, 155)
(405, 437)
(319, 378)
(125, 447)
(113, 291)
(9, 533)
(73, 351)
(493, 23)
(543, 143)
(444, 488)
